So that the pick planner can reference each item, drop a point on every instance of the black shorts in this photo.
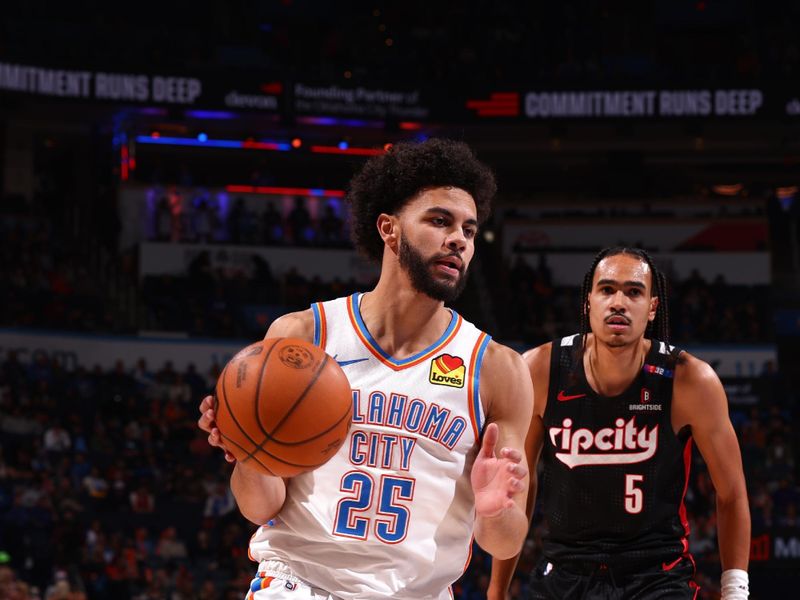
(590, 581)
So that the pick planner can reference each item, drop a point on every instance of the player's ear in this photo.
(653, 308)
(389, 229)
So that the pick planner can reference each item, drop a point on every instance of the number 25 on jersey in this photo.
(390, 525)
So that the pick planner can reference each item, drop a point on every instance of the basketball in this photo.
(283, 406)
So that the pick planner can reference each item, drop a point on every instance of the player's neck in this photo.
(401, 320)
(611, 370)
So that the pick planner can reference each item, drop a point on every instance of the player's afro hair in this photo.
(387, 182)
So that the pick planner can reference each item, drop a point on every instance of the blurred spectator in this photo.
(142, 377)
(237, 222)
(57, 439)
(163, 220)
(170, 547)
(95, 485)
(330, 228)
(220, 501)
(204, 223)
(271, 225)
(299, 221)
(142, 500)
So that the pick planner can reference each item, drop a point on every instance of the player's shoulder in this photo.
(502, 367)
(693, 371)
(698, 397)
(538, 356)
(299, 325)
(695, 378)
(500, 357)
(505, 382)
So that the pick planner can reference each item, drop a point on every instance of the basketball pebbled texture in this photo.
(283, 406)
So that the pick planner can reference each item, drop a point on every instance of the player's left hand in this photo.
(496, 479)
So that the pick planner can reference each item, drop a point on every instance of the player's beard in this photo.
(422, 279)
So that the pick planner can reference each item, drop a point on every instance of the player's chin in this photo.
(618, 340)
(442, 276)
(448, 282)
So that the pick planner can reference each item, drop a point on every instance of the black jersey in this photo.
(615, 473)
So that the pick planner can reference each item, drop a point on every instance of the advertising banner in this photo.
(254, 91)
(209, 91)
(359, 102)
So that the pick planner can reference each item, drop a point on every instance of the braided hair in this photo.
(658, 328)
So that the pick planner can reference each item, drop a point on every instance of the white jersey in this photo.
(391, 514)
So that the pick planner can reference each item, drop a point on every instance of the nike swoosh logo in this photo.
(344, 363)
(670, 566)
(562, 397)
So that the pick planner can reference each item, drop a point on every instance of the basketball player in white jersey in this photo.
(433, 456)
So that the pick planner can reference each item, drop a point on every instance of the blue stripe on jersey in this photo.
(354, 300)
(476, 376)
(317, 327)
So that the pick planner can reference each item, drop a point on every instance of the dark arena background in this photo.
(173, 180)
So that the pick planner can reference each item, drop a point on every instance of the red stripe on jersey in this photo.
(687, 465)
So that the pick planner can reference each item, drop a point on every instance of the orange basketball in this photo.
(283, 406)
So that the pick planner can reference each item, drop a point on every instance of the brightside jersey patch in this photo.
(447, 370)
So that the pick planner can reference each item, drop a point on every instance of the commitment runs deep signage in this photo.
(643, 103)
(211, 90)
(127, 87)
(251, 92)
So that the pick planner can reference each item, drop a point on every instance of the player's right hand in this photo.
(208, 422)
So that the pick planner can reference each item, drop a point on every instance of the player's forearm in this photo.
(502, 536)
(259, 497)
(502, 574)
(733, 530)
(503, 568)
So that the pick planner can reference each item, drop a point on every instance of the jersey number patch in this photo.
(390, 523)
(634, 498)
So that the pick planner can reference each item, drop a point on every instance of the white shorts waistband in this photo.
(277, 569)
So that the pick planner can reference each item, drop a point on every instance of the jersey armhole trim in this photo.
(554, 369)
(320, 328)
(473, 382)
(466, 564)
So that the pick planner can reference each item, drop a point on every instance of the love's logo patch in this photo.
(448, 370)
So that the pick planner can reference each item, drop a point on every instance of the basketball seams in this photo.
(232, 415)
(257, 398)
(300, 398)
(249, 456)
(259, 449)
(282, 458)
(347, 413)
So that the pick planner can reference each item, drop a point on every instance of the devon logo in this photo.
(447, 370)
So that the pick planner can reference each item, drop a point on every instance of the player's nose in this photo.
(456, 240)
(618, 301)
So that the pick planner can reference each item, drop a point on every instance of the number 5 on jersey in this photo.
(391, 491)
(634, 498)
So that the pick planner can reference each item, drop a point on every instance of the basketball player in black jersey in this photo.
(615, 415)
